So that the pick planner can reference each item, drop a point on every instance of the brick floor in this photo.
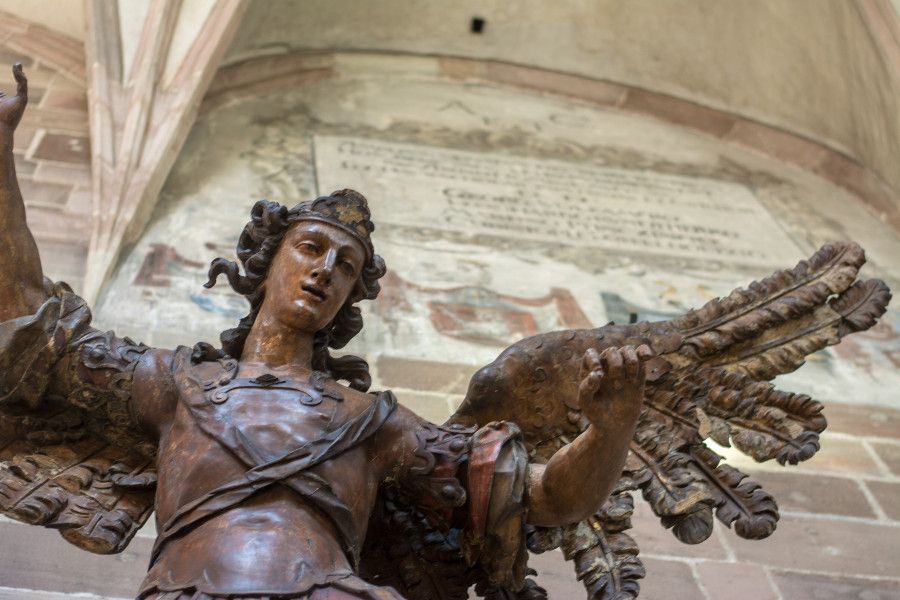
(835, 546)
(839, 455)
(556, 575)
(424, 375)
(735, 581)
(802, 586)
(887, 495)
(863, 421)
(889, 455)
(802, 492)
(667, 580)
(434, 407)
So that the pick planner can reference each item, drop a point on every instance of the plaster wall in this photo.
(809, 66)
(63, 17)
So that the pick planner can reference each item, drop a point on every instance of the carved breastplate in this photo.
(310, 393)
(272, 414)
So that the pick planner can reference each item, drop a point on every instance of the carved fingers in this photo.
(612, 377)
(591, 375)
(21, 81)
(12, 107)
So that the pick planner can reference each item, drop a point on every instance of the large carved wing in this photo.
(710, 380)
(70, 456)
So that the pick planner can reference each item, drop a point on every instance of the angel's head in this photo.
(307, 267)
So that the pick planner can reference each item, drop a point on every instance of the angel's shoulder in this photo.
(207, 370)
(354, 399)
(348, 393)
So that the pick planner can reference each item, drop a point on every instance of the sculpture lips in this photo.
(314, 291)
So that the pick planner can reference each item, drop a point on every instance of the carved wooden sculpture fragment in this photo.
(271, 479)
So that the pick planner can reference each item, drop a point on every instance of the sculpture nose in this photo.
(322, 273)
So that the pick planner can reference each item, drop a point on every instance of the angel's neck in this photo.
(274, 345)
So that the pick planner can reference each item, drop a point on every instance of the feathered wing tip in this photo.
(861, 305)
(770, 327)
(717, 388)
(75, 484)
(717, 330)
(530, 591)
(784, 348)
(605, 557)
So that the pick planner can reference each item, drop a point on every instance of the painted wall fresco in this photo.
(553, 201)
(471, 186)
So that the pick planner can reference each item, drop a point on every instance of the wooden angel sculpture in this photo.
(272, 479)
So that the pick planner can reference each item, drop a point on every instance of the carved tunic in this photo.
(266, 486)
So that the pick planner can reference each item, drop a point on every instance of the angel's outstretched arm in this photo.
(578, 478)
(80, 410)
(22, 291)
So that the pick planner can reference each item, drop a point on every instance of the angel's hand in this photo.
(12, 107)
(610, 396)
(612, 384)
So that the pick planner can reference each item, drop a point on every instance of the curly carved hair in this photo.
(257, 246)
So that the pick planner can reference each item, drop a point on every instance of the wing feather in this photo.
(781, 297)
(70, 457)
(604, 556)
(72, 485)
(760, 420)
(739, 500)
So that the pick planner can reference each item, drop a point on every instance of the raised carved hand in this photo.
(13, 107)
(22, 291)
(612, 384)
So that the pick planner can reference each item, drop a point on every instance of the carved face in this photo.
(313, 273)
